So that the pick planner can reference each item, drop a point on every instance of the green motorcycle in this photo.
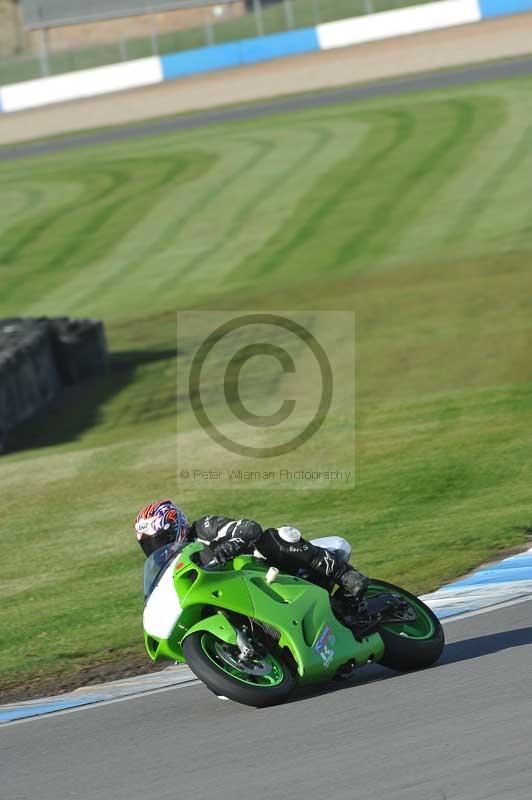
(252, 634)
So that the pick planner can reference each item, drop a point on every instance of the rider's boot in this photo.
(333, 566)
(353, 581)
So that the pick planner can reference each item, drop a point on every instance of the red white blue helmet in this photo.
(160, 523)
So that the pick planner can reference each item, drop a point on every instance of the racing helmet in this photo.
(159, 524)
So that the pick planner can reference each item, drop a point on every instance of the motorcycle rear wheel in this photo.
(266, 681)
(410, 645)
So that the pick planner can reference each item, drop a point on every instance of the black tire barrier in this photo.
(80, 348)
(38, 358)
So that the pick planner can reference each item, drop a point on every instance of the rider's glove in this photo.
(225, 551)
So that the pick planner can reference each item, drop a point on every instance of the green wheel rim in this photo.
(212, 646)
(422, 627)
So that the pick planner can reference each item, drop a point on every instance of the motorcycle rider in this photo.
(162, 522)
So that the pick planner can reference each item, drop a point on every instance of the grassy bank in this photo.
(412, 211)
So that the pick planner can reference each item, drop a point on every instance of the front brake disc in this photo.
(257, 667)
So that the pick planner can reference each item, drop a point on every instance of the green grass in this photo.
(306, 13)
(414, 212)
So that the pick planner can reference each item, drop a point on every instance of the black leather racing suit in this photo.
(227, 537)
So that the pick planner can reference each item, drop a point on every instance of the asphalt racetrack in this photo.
(438, 80)
(458, 731)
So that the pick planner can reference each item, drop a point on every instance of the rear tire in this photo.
(404, 649)
(216, 677)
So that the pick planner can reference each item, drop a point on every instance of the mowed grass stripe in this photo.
(308, 218)
(250, 205)
(175, 218)
(487, 195)
(100, 244)
(150, 247)
(356, 184)
(421, 182)
(30, 235)
(260, 148)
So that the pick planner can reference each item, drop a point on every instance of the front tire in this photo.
(213, 662)
(416, 644)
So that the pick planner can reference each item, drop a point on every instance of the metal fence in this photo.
(218, 25)
(49, 13)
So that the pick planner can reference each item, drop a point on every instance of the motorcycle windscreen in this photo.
(157, 563)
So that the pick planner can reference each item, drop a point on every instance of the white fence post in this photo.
(259, 22)
(209, 31)
(289, 13)
(44, 53)
(153, 28)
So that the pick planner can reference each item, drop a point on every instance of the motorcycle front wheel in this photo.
(412, 644)
(264, 680)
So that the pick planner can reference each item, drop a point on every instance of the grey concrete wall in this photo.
(38, 357)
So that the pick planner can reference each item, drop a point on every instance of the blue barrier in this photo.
(501, 8)
(277, 45)
(233, 54)
(220, 56)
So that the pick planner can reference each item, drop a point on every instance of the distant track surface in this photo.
(458, 731)
(441, 80)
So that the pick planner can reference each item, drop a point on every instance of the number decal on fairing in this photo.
(325, 645)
